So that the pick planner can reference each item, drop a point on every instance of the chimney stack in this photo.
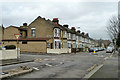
(87, 34)
(73, 28)
(78, 31)
(55, 20)
(83, 33)
(24, 24)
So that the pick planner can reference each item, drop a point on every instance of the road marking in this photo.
(106, 58)
(91, 68)
(92, 72)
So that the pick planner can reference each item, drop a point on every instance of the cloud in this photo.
(91, 17)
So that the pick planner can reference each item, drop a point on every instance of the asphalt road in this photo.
(59, 66)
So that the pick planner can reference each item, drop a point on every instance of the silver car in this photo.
(109, 50)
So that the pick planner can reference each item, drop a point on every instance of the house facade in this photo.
(1, 34)
(46, 36)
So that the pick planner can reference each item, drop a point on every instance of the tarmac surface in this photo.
(109, 70)
(59, 66)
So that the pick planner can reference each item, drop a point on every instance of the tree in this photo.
(113, 28)
(118, 40)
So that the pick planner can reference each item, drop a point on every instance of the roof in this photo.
(57, 25)
(12, 26)
(20, 28)
(28, 39)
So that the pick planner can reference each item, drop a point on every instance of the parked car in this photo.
(100, 49)
(109, 50)
(93, 49)
(96, 49)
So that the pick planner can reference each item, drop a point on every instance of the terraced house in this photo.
(1, 34)
(46, 36)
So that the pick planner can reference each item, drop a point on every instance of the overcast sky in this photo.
(91, 17)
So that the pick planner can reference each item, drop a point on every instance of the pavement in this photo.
(59, 66)
(109, 70)
(15, 61)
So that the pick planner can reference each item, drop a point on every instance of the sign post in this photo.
(17, 37)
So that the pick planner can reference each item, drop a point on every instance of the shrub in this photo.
(0, 48)
(10, 47)
(81, 49)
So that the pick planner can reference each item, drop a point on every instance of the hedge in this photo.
(10, 47)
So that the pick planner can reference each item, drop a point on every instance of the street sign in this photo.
(17, 36)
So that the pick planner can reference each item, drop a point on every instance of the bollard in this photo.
(94, 52)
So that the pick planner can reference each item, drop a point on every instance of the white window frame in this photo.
(73, 36)
(33, 29)
(56, 46)
(69, 35)
(56, 32)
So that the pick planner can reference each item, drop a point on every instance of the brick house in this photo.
(46, 36)
(1, 34)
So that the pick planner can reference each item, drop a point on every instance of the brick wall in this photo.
(31, 46)
(0, 34)
(42, 28)
(9, 32)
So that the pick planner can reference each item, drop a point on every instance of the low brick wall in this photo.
(8, 54)
(59, 51)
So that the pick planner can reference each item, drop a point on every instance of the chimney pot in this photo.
(55, 20)
(87, 34)
(78, 31)
(83, 33)
(73, 28)
(24, 24)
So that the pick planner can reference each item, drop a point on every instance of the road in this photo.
(59, 66)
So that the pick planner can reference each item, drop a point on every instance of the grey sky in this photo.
(91, 17)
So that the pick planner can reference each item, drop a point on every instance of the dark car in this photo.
(93, 49)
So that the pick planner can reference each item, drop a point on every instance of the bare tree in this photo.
(113, 27)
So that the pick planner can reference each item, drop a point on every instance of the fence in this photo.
(59, 51)
(8, 54)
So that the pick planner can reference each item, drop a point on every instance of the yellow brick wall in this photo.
(0, 35)
(9, 32)
(43, 28)
(31, 46)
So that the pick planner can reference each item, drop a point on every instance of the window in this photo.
(56, 32)
(57, 44)
(69, 45)
(21, 34)
(24, 42)
(33, 32)
(69, 36)
(61, 33)
(74, 45)
(80, 45)
(48, 45)
(74, 37)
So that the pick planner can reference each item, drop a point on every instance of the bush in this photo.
(81, 49)
(0, 48)
(10, 47)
